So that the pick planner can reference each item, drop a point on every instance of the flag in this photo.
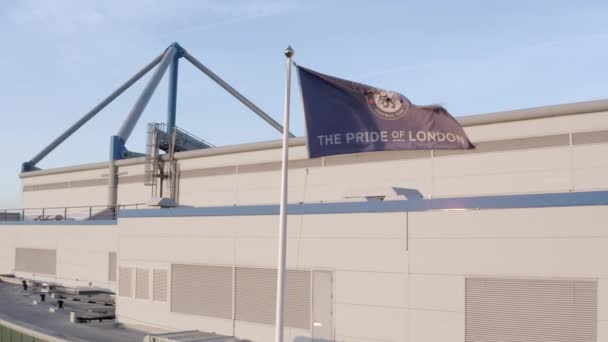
(347, 117)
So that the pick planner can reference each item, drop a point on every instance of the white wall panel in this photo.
(436, 292)
(504, 183)
(387, 225)
(196, 249)
(576, 257)
(130, 193)
(264, 332)
(82, 256)
(510, 223)
(436, 326)
(544, 126)
(130, 311)
(590, 166)
(370, 323)
(370, 288)
(505, 162)
(602, 331)
(262, 252)
(381, 255)
(534, 246)
(208, 191)
(7, 249)
(206, 162)
(76, 263)
(264, 187)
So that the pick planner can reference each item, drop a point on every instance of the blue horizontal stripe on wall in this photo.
(565, 199)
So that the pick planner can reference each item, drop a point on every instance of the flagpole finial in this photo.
(289, 52)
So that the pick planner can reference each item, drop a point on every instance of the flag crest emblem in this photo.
(388, 105)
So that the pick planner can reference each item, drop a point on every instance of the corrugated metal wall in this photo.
(112, 266)
(256, 296)
(138, 285)
(202, 290)
(34, 260)
(159, 285)
(539, 310)
(211, 290)
(125, 281)
(298, 299)
(142, 283)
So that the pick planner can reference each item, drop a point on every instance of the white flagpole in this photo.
(283, 211)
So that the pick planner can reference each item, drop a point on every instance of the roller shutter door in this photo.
(142, 283)
(256, 296)
(202, 290)
(112, 266)
(125, 281)
(159, 285)
(34, 260)
(539, 310)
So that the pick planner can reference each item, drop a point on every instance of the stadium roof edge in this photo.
(466, 121)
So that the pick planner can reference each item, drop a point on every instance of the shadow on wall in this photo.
(310, 339)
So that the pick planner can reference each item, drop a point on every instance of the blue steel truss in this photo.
(167, 60)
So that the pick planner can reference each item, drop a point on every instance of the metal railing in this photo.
(75, 213)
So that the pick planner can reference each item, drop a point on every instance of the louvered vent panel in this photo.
(112, 266)
(34, 260)
(159, 284)
(297, 299)
(142, 283)
(125, 281)
(256, 296)
(539, 310)
(202, 290)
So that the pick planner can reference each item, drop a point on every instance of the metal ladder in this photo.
(152, 152)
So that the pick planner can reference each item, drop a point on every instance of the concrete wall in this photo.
(397, 276)
(387, 287)
(360, 252)
(542, 155)
(61, 194)
(82, 251)
(446, 247)
(384, 292)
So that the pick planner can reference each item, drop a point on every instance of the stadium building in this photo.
(504, 242)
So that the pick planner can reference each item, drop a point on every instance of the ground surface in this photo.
(16, 306)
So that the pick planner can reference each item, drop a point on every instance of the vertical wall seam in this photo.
(432, 174)
(571, 155)
(407, 232)
(234, 299)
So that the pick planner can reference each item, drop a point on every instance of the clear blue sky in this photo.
(61, 57)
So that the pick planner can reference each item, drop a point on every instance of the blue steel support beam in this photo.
(117, 147)
(172, 100)
(117, 142)
(31, 164)
(127, 127)
(272, 122)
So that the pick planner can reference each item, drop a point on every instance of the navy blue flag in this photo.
(347, 117)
